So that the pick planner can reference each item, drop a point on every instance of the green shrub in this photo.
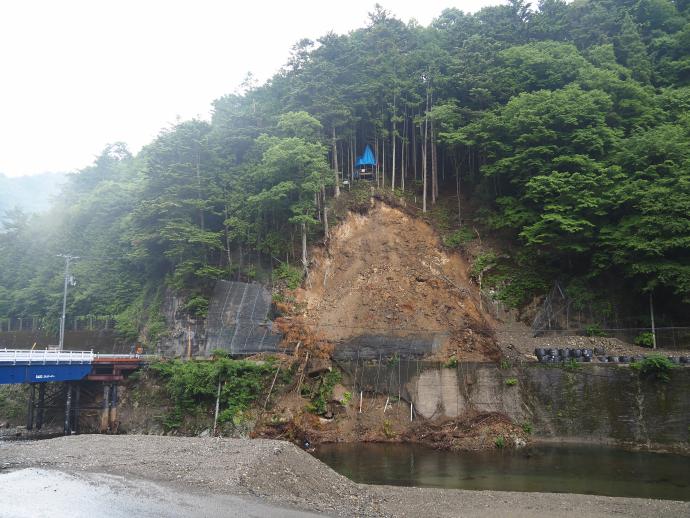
(193, 386)
(324, 393)
(291, 276)
(196, 306)
(452, 363)
(394, 360)
(500, 442)
(347, 397)
(482, 263)
(655, 367)
(388, 429)
(511, 382)
(458, 238)
(645, 339)
(594, 330)
(527, 428)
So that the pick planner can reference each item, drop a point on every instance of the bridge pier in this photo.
(109, 410)
(41, 405)
(35, 413)
(30, 410)
(72, 408)
(77, 407)
(68, 409)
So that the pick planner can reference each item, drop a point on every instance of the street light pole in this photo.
(68, 259)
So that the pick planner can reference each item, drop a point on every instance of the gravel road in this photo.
(275, 473)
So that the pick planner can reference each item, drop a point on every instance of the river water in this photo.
(595, 470)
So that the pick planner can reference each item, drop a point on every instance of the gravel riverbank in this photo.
(280, 474)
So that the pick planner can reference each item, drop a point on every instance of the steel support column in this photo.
(68, 409)
(41, 405)
(77, 410)
(105, 412)
(112, 418)
(30, 409)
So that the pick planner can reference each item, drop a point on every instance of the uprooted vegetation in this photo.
(296, 397)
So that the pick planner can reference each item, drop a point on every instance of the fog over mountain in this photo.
(30, 193)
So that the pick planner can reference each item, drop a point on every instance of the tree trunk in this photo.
(317, 204)
(227, 235)
(305, 264)
(424, 152)
(424, 166)
(239, 268)
(651, 313)
(335, 165)
(434, 165)
(403, 149)
(383, 161)
(393, 149)
(457, 188)
(325, 224)
(414, 149)
(376, 167)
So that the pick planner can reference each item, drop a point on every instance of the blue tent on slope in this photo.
(365, 164)
(367, 158)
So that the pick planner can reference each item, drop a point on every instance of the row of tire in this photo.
(589, 355)
(566, 354)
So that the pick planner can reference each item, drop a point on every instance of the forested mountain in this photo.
(566, 128)
(30, 193)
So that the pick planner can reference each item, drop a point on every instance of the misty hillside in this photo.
(30, 193)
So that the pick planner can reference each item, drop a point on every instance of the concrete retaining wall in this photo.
(608, 403)
(602, 402)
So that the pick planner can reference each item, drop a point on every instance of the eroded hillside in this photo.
(385, 275)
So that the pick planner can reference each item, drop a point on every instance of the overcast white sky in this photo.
(76, 75)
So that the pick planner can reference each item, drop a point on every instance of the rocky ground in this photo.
(280, 474)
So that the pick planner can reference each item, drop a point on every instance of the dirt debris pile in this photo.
(385, 274)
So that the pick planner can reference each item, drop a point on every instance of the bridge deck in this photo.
(40, 366)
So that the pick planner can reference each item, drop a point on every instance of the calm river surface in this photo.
(594, 470)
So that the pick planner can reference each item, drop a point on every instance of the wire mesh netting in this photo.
(48, 323)
(238, 320)
(370, 346)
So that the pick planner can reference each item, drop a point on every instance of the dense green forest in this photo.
(564, 128)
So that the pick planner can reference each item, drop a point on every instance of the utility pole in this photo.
(68, 281)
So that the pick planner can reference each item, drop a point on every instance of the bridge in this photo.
(73, 369)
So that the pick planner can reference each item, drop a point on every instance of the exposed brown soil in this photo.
(385, 273)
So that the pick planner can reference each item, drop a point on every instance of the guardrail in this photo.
(45, 356)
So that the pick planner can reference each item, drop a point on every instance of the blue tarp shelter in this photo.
(365, 164)
(367, 158)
